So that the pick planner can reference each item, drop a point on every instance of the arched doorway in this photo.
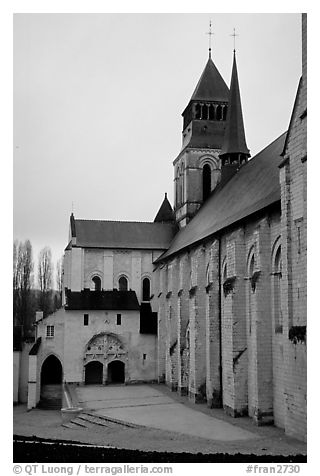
(51, 371)
(116, 372)
(94, 373)
(51, 383)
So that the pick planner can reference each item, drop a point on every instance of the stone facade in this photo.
(293, 180)
(73, 333)
(224, 313)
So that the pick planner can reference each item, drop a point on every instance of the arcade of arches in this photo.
(104, 360)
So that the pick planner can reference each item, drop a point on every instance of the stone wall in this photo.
(81, 265)
(293, 173)
(72, 336)
(212, 309)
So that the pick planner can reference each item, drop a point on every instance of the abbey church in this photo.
(210, 297)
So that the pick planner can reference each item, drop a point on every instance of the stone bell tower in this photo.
(197, 167)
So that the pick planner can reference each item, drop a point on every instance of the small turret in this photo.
(165, 213)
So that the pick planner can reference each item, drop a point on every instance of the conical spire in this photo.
(165, 213)
(211, 85)
(234, 138)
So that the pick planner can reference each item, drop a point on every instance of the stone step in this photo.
(51, 391)
(50, 403)
(94, 420)
(108, 420)
(88, 420)
(72, 425)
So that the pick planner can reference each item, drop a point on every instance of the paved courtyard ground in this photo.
(166, 422)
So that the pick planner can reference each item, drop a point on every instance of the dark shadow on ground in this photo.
(40, 450)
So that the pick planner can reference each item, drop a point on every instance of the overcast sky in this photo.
(98, 101)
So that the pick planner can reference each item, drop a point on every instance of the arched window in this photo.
(251, 266)
(211, 112)
(123, 284)
(178, 187)
(182, 185)
(277, 274)
(146, 289)
(225, 110)
(197, 111)
(97, 283)
(206, 181)
(219, 113)
(204, 111)
(208, 281)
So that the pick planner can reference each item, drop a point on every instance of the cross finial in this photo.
(210, 35)
(234, 39)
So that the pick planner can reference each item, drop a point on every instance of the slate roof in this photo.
(35, 348)
(102, 300)
(165, 213)
(254, 187)
(123, 234)
(211, 85)
(234, 138)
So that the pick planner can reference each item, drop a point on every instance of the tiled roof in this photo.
(211, 85)
(102, 300)
(254, 187)
(122, 234)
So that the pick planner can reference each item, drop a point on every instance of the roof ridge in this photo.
(266, 147)
(118, 221)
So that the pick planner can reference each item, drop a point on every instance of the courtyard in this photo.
(152, 418)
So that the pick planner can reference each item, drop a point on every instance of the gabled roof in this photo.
(254, 187)
(123, 234)
(165, 213)
(234, 141)
(211, 85)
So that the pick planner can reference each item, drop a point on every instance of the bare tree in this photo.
(59, 283)
(45, 280)
(22, 284)
(59, 275)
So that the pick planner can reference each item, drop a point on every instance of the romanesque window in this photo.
(86, 319)
(182, 184)
(206, 181)
(97, 283)
(146, 289)
(197, 111)
(208, 276)
(225, 110)
(178, 187)
(251, 266)
(118, 319)
(219, 113)
(123, 284)
(211, 112)
(277, 276)
(204, 111)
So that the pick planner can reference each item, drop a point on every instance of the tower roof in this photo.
(234, 137)
(211, 85)
(165, 213)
